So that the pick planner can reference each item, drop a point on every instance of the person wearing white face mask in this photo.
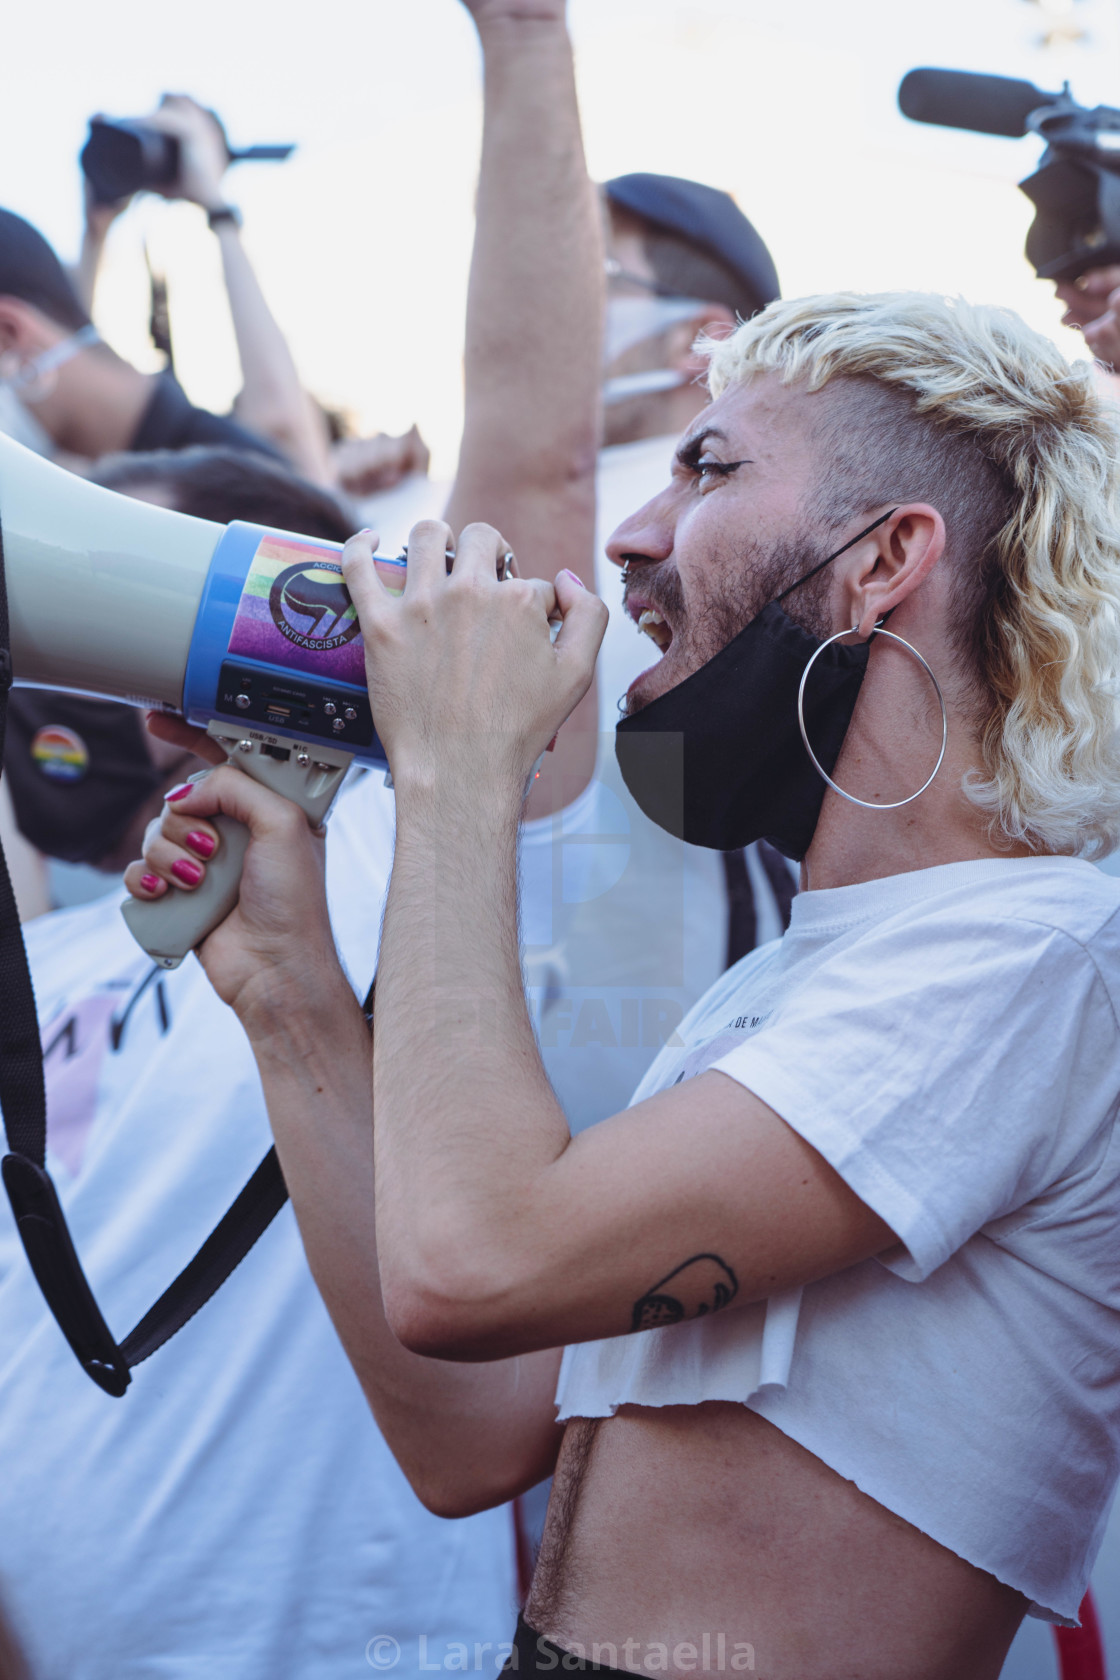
(682, 260)
(63, 391)
(30, 377)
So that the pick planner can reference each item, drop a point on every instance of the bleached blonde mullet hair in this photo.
(1039, 592)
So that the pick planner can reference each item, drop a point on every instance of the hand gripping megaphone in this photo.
(246, 631)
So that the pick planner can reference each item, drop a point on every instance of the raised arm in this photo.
(272, 400)
(534, 326)
(98, 219)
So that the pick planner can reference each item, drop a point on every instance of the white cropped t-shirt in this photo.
(948, 1040)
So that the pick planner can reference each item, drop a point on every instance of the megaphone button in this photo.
(60, 754)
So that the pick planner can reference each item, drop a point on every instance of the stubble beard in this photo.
(742, 586)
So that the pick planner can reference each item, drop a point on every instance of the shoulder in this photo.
(1059, 912)
(171, 421)
(1013, 903)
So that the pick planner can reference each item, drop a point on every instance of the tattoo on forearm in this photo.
(698, 1286)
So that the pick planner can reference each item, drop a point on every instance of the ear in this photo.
(23, 328)
(715, 319)
(893, 562)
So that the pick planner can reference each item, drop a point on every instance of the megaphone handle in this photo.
(170, 927)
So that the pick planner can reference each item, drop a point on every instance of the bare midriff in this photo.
(700, 1539)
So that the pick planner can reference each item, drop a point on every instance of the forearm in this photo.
(468, 1124)
(272, 400)
(83, 275)
(467, 1436)
(533, 340)
(534, 307)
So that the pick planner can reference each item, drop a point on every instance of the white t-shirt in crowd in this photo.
(948, 1041)
(237, 1513)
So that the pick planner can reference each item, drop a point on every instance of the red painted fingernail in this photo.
(552, 744)
(189, 873)
(150, 883)
(179, 792)
(200, 843)
(574, 578)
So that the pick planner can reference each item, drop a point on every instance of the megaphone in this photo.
(246, 631)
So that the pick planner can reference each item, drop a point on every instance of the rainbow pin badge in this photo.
(60, 754)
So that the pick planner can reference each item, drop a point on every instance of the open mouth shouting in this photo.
(659, 619)
(656, 626)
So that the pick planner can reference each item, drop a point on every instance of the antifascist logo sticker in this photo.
(295, 612)
(310, 605)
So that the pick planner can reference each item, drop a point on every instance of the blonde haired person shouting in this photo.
(838, 1292)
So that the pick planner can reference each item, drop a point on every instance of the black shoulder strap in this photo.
(38, 1212)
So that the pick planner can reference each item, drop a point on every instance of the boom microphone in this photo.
(1075, 189)
(246, 631)
(962, 99)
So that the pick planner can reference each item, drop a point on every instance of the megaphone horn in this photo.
(246, 631)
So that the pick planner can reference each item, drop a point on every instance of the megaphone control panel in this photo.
(258, 696)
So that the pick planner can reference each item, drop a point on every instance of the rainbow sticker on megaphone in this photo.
(59, 754)
(296, 611)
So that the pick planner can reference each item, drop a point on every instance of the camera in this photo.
(1075, 189)
(127, 155)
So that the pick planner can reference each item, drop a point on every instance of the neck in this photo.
(889, 751)
(96, 404)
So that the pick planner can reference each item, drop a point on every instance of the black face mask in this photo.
(719, 760)
(77, 770)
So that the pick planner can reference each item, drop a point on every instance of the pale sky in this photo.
(362, 239)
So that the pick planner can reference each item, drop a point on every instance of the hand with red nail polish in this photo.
(174, 844)
(274, 952)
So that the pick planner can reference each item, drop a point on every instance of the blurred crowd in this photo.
(238, 1514)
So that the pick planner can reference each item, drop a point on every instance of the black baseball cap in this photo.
(30, 270)
(707, 218)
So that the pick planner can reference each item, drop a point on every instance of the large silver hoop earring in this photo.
(867, 804)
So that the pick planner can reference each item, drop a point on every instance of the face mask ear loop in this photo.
(859, 536)
(867, 804)
(33, 372)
